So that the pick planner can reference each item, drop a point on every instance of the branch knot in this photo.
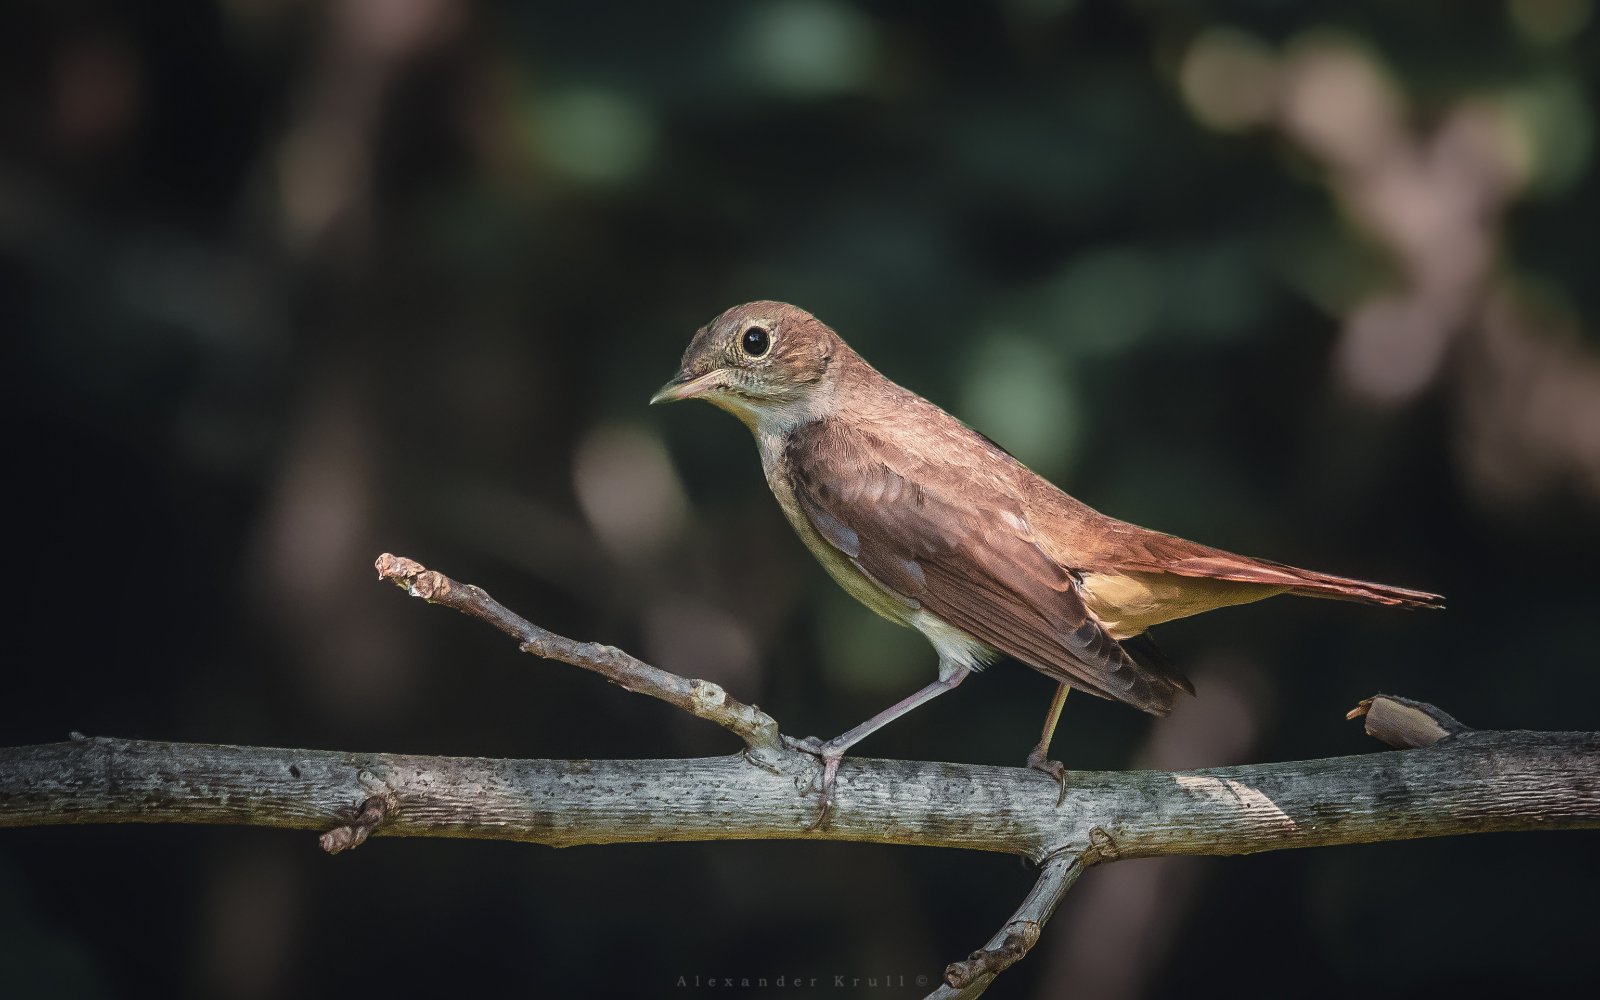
(1102, 847)
(371, 813)
(380, 805)
(1021, 935)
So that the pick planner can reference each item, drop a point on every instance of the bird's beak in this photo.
(686, 386)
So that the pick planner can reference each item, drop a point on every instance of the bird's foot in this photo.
(830, 755)
(1054, 768)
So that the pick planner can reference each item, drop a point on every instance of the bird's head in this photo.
(760, 361)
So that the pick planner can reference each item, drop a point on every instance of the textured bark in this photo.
(1474, 782)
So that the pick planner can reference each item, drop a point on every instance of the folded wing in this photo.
(952, 539)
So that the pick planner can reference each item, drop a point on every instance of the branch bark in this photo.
(1478, 782)
(1456, 780)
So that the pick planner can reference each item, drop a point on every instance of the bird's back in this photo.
(908, 503)
(1131, 577)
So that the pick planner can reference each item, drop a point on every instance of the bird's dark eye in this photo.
(756, 341)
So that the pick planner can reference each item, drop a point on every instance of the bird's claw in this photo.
(1055, 769)
(830, 758)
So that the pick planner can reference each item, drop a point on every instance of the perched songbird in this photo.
(934, 526)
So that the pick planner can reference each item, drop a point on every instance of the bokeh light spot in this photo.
(1229, 79)
(628, 491)
(1107, 301)
(1550, 22)
(593, 135)
(1556, 121)
(808, 47)
(1016, 393)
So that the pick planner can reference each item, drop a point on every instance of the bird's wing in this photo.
(951, 538)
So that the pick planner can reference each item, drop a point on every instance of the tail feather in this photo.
(1218, 565)
(1147, 654)
(1140, 549)
(1339, 588)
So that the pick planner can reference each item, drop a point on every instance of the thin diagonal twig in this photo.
(702, 698)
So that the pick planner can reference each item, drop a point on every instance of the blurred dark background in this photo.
(286, 284)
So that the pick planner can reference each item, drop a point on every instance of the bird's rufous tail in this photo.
(1341, 588)
(1150, 551)
(1201, 561)
(1308, 583)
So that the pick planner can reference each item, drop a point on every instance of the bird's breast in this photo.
(841, 567)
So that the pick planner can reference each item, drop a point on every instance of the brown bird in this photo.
(934, 526)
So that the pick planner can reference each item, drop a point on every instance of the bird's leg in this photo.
(1039, 758)
(831, 752)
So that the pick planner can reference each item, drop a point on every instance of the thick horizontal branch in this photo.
(1475, 782)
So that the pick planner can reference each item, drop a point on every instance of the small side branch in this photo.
(1405, 724)
(702, 698)
(972, 975)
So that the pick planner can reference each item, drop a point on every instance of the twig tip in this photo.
(1404, 723)
(415, 578)
(391, 566)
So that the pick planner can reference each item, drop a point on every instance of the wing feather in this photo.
(958, 544)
